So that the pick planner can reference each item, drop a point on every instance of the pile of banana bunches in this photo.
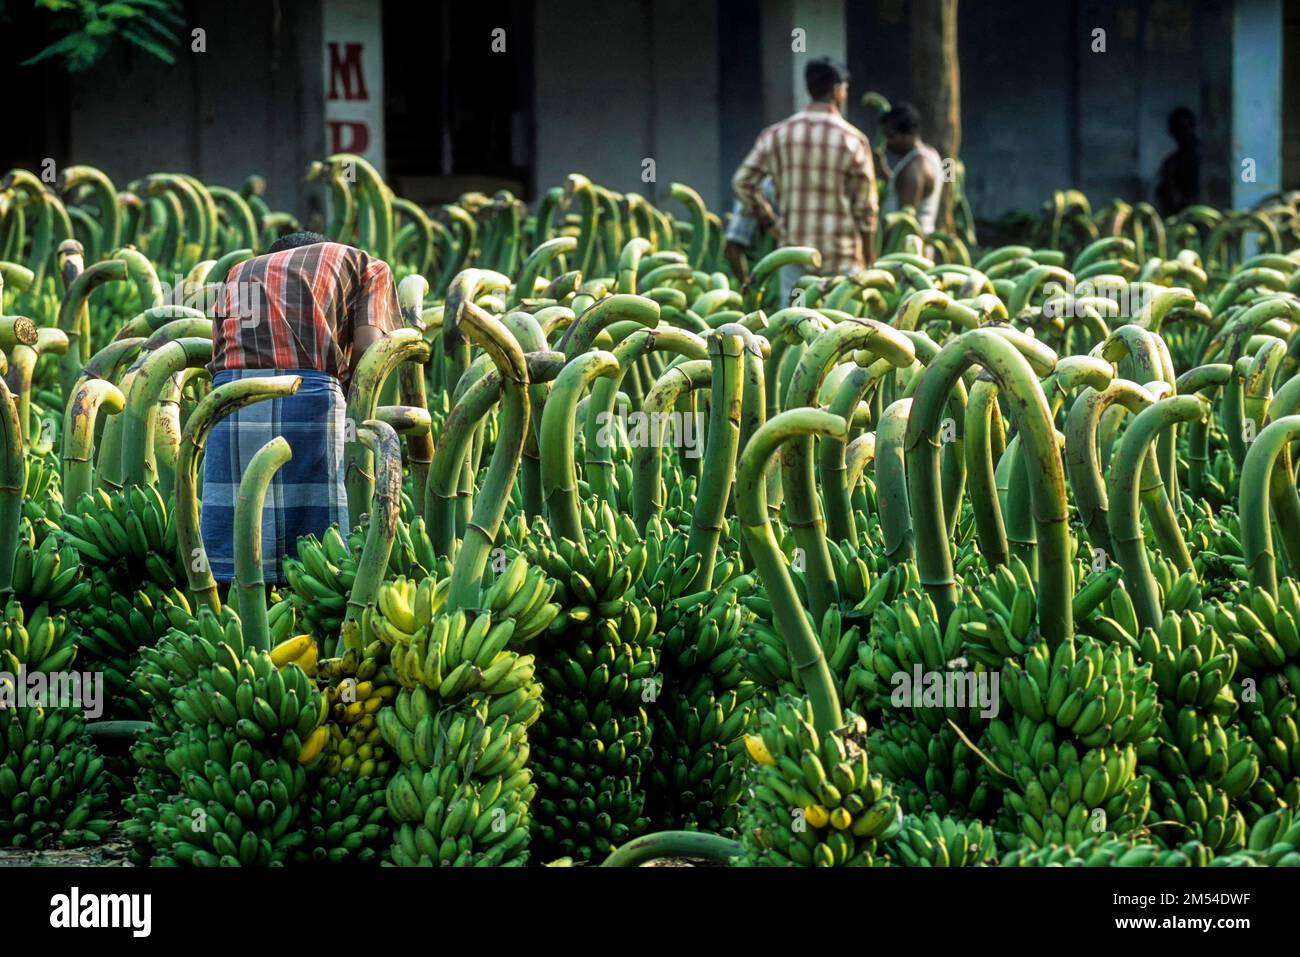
(978, 557)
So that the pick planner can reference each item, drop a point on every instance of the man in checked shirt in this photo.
(308, 307)
(824, 177)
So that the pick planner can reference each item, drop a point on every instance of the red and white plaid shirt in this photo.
(297, 309)
(825, 183)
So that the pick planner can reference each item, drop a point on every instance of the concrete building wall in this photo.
(614, 90)
(252, 103)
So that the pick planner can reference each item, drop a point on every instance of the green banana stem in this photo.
(708, 517)
(141, 272)
(578, 188)
(153, 371)
(751, 506)
(599, 435)
(151, 320)
(13, 479)
(537, 264)
(629, 264)
(1001, 357)
(441, 491)
(83, 411)
(373, 370)
(647, 464)
(218, 404)
(74, 316)
(873, 340)
(464, 290)
(559, 473)
(250, 585)
(22, 369)
(528, 333)
(766, 269)
(582, 333)
(1259, 475)
(73, 177)
(490, 505)
(982, 412)
(374, 198)
(1124, 489)
(411, 381)
(699, 222)
(649, 847)
(891, 482)
(385, 511)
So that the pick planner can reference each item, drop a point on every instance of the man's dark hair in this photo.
(904, 118)
(822, 74)
(294, 240)
(1181, 117)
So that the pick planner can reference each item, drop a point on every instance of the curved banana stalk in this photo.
(983, 417)
(1253, 501)
(385, 511)
(891, 481)
(218, 404)
(872, 340)
(250, 583)
(153, 371)
(238, 215)
(727, 355)
(91, 397)
(647, 481)
(374, 368)
(751, 506)
(74, 316)
(528, 333)
(411, 381)
(598, 434)
(13, 478)
(22, 367)
(141, 272)
(536, 265)
(766, 269)
(71, 178)
(582, 333)
(1124, 489)
(1001, 358)
(559, 474)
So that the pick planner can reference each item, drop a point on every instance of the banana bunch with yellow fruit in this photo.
(814, 801)
(232, 743)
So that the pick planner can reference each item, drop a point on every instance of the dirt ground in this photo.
(112, 853)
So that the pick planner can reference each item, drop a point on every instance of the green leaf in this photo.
(148, 44)
(57, 48)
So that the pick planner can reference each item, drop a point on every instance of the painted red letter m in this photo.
(345, 68)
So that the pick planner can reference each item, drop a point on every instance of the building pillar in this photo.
(785, 52)
(1256, 100)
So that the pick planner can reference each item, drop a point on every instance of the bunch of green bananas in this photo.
(1056, 794)
(322, 576)
(125, 532)
(929, 840)
(235, 756)
(814, 801)
(113, 626)
(598, 665)
(695, 778)
(49, 573)
(1263, 630)
(42, 492)
(767, 658)
(1008, 600)
(1273, 841)
(37, 641)
(459, 726)
(53, 787)
(462, 795)
(345, 821)
(1109, 851)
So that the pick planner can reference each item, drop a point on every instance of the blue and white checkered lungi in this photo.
(307, 494)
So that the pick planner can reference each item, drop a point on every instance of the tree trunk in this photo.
(936, 86)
